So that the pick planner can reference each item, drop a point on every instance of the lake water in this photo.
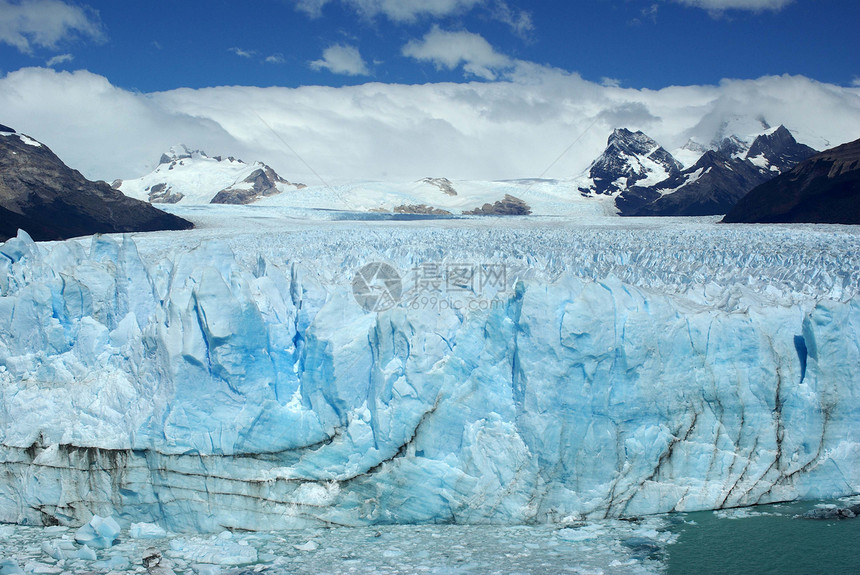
(765, 539)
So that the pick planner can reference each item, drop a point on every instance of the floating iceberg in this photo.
(9, 567)
(99, 533)
(203, 382)
(146, 531)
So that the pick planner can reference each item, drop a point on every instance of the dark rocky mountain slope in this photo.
(629, 158)
(823, 189)
(711, 186)
(50, 201)
(719, 179)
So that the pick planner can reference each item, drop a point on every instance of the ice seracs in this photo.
(203, 381)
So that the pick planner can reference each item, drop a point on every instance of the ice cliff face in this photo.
(212, 384)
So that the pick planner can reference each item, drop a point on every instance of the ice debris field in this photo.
(624, 547)
(527, 371)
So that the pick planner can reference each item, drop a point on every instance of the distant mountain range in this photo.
(634, 176)
(822, 189)
(646, 180)
(50, 201)
(185, 176)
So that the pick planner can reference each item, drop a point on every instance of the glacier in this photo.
(218, 378)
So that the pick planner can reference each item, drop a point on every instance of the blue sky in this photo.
(158, 45)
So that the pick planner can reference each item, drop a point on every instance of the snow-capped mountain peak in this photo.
(180, 152)
(720, 177)
(630, 158)
(191, 176)
(733, 147)
(777, 151)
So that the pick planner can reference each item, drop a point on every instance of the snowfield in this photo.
(543, 197)
(191, 177)
(255, 373)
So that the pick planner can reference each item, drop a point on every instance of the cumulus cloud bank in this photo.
(480, 130)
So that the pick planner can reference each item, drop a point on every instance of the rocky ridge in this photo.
(646, 180)
(50, 201)
(822, 189)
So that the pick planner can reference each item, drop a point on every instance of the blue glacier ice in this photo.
(100, 532)
(204, 382)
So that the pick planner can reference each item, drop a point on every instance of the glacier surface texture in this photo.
(202, 381)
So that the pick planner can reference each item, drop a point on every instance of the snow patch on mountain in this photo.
(23, 137)
(688, 154)
(762, 162)
(647, 180)
(630, 158)
(188, 176)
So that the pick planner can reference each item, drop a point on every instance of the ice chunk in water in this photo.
(146, 531)
(9, 567)
(100, 532)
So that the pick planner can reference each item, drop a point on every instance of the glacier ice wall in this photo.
(212, 384)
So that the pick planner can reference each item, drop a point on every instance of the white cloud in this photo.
(520, 21)
(451, 49)
(252, 54)
(722, 5)
(26, 24)
(400, 11)
(342, 59)
(312, 8)
(103, 131)
(59, 59)
(243, 53)
(409, 10)
(478, 130)
(406, 11)
(856, 81)
(648, 13)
